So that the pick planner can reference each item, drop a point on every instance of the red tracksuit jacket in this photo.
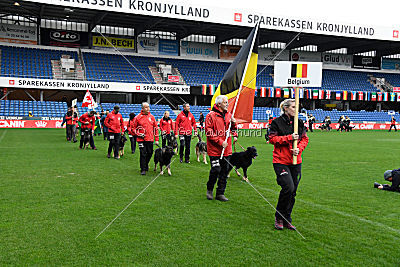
(184, 124)
(114, 122)
(129, 127)
(71, 120)
(280, 136)
(85, 118)
(217, 124)
(147, 125)
(166, 125)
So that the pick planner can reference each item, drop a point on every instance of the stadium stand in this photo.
(58, 109)
(36, 63)
(30, 62)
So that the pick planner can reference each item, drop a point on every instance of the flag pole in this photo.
(240, 87)
(296, 122)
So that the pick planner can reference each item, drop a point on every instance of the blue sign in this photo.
(390, 64)
(168, 47)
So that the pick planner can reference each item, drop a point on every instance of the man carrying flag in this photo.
(234, 97)
(217, 121)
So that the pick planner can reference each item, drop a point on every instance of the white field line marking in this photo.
(2, 136)
(127, 206)
(344, 214)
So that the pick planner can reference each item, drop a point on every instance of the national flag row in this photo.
(209, 89)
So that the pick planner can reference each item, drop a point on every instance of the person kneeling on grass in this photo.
(391, 176)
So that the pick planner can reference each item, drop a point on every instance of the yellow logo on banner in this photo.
(117, 42)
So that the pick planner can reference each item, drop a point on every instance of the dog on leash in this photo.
(201, 150)
(163, 156)
(174, 143)
(122, 142)
(86, 137)
(243, 160)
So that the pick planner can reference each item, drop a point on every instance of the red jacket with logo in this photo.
(184, 124)
(129, 127)
(280, 136)
(71, 119)
(147, 125)
(217, 124)
(85, 118)
(166, 125)
(393, 122)
(114, 122)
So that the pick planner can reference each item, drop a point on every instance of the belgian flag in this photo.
(241, 74)
(299, 71)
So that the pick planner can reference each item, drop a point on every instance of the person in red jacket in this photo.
(115, 124)
(217, 124)
(184, 124)
(131, 134)
(145, 128)
(71, 119)
(393, 124)
(288, 175)
(87, 121)
(166, 126)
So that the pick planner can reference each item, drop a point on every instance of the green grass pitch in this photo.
(55, 199)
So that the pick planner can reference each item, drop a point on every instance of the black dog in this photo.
(163, 156)
(243, 160)
(86, 137)
(174, 143)
(122, 142)
(201, 149)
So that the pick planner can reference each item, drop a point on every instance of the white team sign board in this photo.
(297, 74)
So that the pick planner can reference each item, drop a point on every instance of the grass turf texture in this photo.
(56, 198)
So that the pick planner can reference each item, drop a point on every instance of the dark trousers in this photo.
(146, 151)
(114, 139)
(85, 135)
(391, 128)
(184, 141)
(288, 177)
(219, 171)
(71, 132)
(132, 138)
(105, 135)
(311, 129)
(166, 139)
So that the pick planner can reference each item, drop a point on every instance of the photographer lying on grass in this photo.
(391, 176)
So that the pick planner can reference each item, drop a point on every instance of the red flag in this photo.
(278, 92)
(360, 95)
(88, 101)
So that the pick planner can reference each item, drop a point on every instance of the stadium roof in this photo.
(184, 28)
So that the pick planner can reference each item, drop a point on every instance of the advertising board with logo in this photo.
(168, 47)
(228, 51)
(305, 56)
(92, 86)
(147, 45)
(63, 38)
(121, 43)
(299, 74)
(199, 50)
(10, 33)
(173, 78)
(268, 54)
(390, 64)
(337, 60)
(363, 62)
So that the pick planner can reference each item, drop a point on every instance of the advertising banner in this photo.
(199, 50)
(390, 64)
(340, 60)
(268, 55)
(305, 56)
(302, 74)
(63, 38)
(147, 45)
(10, 33)
(228, 51)
(396, 89)
(244, 17)
(168, 47)
(92, 86)
(173, 78)
(363, 62)
(122, 43)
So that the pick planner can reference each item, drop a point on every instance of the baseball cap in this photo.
(387, 174)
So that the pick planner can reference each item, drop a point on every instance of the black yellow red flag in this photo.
(241, 74)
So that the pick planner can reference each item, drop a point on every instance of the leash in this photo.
(234, 146)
